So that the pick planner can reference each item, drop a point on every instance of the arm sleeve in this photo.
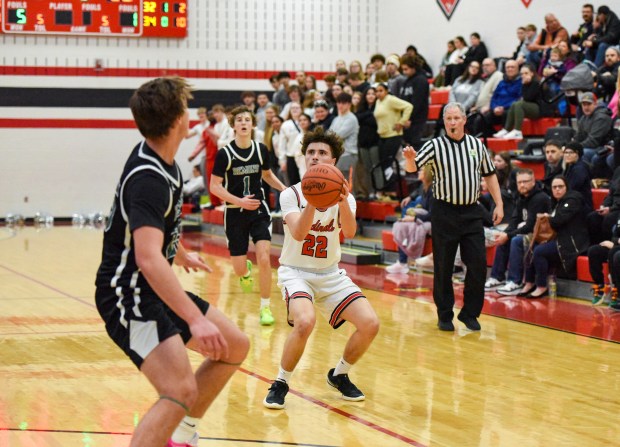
(289, 202)
(221, 163)
(146, 197)
(425, 155)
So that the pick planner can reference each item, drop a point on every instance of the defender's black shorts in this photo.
(138, 328)
(241, 224)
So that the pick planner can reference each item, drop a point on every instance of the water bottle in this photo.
(553, 287)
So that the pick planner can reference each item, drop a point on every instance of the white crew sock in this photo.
(342, 367)
(185, 430)
(284, 375)
(265, 302)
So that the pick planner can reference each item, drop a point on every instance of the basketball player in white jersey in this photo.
(309, 276)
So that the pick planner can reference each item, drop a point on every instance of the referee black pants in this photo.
(453, 226)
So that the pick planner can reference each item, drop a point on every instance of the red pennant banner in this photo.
(448, 7)
(526, 3)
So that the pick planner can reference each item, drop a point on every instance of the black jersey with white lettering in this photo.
(149, 193)
(242, 169)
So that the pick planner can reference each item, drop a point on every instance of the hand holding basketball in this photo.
(323, 185)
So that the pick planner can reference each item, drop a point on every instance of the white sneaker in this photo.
(425, 261)
(509, 289)
(500, 134)
(397, 267)
(514, 134)
(492, 283)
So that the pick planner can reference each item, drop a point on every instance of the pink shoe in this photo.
(191, 443)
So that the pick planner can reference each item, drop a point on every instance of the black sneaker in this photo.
(345, 386)
(470, 322)
(446, 326)
(276, 395)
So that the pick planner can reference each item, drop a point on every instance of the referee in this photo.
(458, 161)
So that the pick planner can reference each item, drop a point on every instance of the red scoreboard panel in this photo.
(131, 18)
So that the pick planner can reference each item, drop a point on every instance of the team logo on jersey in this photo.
(473, 153)
(448, 7)
(323, 228)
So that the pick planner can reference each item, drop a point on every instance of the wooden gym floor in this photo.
(539, 373)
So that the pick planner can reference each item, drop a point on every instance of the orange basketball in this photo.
(322, 185)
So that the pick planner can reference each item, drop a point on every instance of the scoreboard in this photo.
(98, 18)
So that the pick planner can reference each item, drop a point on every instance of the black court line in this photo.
(206, 438)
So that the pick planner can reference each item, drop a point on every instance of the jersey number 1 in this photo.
(315, 246)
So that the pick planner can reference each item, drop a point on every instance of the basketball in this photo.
(322, 185)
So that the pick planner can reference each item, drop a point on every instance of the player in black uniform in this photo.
(146, 311)
(239, 168)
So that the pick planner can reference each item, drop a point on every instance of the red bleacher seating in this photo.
(538, 168)
(186, 209)
(598, 195)
(501, 144)
(490, 256)
(379, 211)
(538, 126)
(583, 270)
(387, 238)
(440, 97)
(433, 111)
(217, 217)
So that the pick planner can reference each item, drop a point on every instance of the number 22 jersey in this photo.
(320, 248)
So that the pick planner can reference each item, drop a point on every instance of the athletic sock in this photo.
(265, 302)
(284, 375)
(185, 430)
(342, 367)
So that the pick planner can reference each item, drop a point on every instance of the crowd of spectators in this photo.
(379, 106)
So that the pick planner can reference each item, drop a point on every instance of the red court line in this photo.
(347, 415)
(66, 123)
(127, 72)
(30, 278)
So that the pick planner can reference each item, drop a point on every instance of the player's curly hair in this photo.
(157, 104)
(319, 135)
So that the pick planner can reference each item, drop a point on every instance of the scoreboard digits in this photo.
(132, 18)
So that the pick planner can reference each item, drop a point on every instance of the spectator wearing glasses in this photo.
(510, 250)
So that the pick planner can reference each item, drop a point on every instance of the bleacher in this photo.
(374, 242)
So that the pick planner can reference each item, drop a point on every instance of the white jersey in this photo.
(320, 249)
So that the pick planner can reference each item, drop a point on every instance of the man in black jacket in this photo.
(415, 90)
(553, 163)
(607, 34)
(510, 245)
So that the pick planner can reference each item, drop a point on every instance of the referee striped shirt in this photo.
(457, 166)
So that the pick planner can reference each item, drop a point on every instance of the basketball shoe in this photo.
(247, 280)
(276, 395)
(266, 318)
(342, 383)
(191, 443)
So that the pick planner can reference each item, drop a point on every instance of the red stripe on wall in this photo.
(66, 123)
(7, 70)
